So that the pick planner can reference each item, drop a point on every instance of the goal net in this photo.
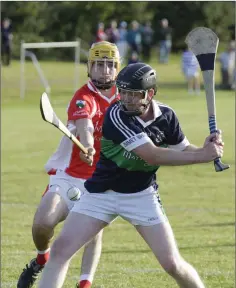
(52, 76)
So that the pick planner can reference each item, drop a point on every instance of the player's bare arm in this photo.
(214, 137)
(84, 130)
(164, 156)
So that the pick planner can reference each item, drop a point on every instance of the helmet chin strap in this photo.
(103, 86)
(132, 113)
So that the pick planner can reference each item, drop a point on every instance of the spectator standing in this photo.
(112, 32)
(190, 68)
(227, 61)
(122, 42)
(147, 40)
(134, 37)
(101, 35)
(6, 31)
(165, 37)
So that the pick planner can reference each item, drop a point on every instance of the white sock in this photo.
(43, 252)
(88, 277)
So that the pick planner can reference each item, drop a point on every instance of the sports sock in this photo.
(43, 257)
(85, 281)
(85, 284)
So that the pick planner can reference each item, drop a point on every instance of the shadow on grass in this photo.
(208, 246)
(181, 248)
(216, 224)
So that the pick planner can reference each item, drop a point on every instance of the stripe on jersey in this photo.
(118, 123)
(122, 123)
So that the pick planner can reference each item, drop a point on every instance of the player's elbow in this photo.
(147, 152)
(152, 161)
(157, 156)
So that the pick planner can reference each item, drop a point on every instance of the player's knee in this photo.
(172, 265)
(51, 211)
(43, 226)
(96, 242)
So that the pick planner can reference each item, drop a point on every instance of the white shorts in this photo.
(189, 74)
(68, 187)
(143, 208)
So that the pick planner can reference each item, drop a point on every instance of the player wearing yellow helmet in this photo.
(102, 55)
(69, 168)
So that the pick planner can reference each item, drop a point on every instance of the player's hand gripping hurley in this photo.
(203, 42)
(50, 116)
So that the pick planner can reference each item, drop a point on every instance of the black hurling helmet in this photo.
(138, 77)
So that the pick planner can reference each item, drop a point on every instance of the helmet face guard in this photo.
(134, 83)
(134, 103)
(103, 64)
(103, 72)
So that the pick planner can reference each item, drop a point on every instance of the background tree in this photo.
(65, 21)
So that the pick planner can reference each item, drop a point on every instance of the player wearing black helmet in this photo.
(137, 84)
(138, 135)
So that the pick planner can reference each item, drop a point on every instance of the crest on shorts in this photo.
(80, 103)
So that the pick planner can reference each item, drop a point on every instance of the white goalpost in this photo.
(25, 53)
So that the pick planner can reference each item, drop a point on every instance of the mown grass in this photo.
(198, 201)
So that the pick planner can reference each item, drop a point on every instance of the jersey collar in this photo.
(94, 89)
(156, 111)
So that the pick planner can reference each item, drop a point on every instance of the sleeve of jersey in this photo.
(121, 129)
(176, 138)
(81, 107)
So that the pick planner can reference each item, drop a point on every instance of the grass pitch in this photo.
(198, 201)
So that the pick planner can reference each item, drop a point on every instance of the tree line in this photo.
(65, 21)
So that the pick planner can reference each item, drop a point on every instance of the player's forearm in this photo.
(166, 156)
(172, 157)
(86, 138)
(192, 147)
(84, 129)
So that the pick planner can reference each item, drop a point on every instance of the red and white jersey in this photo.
(88, 102)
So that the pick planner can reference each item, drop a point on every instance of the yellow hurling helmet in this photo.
(107, 52)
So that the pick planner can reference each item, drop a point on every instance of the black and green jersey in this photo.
(120, 169)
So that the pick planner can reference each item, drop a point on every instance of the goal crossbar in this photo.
(51, 45)
(24, 53)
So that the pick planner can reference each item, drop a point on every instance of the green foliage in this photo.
(65, 21)
(220, 15)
